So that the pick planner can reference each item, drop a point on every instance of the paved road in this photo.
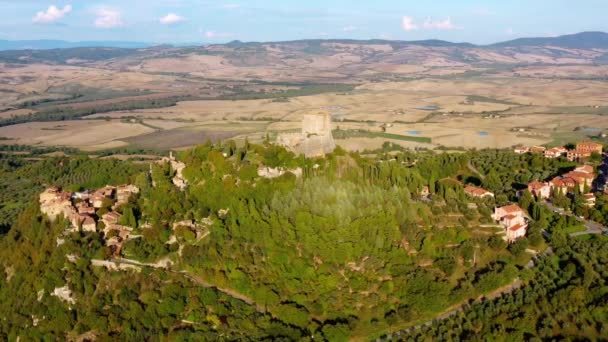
(592, 227)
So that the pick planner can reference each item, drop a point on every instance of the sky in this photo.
(207, 21)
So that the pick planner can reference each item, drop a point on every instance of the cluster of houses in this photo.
(514, 221)
(582, 151)
(580, 178)
(511, 217)
(82, 210)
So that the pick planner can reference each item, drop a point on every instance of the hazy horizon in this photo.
(189, 21)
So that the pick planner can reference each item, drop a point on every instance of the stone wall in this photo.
(315, 140)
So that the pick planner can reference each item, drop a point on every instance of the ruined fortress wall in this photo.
(317, 146)
(315, 140)
(319, 124)
(317, 130)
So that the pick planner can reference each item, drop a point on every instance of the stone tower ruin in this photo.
(315, 140)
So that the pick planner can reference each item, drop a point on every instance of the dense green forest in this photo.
(350, 249)
(565, 299)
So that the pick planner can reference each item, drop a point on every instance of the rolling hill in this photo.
(583, 40)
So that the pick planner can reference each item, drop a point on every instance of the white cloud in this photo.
(408, 24)
(349, 28)
(52, 14)
(108, 18)
(171, 19)
(445, 24)
(509, 31)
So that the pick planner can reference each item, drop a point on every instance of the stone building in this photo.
(513, 220)
(315, 140)
(541, 190)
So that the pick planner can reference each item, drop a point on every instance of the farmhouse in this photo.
(556, 152)
(538, 149)
(521, 149)
(474, 191)
(513, 220)
(539, 189)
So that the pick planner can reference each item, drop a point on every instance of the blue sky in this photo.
(175, 21)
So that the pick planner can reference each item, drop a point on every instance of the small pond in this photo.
(428, 108)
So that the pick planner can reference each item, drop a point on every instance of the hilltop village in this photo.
(231, 217)
(98, 210)
(92, 211)
(101, 210)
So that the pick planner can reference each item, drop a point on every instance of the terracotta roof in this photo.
(536, 185)
(509, 217)
(589, 196)
(556, 150)
(579, 174)
(513, 208)
(584, 168)
(87, 219)
(473, 190)
(538, 149)
(561, 182)
(517, 227)
(111, 216)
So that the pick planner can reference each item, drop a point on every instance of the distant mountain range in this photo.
(583, 40)
(44, 44)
